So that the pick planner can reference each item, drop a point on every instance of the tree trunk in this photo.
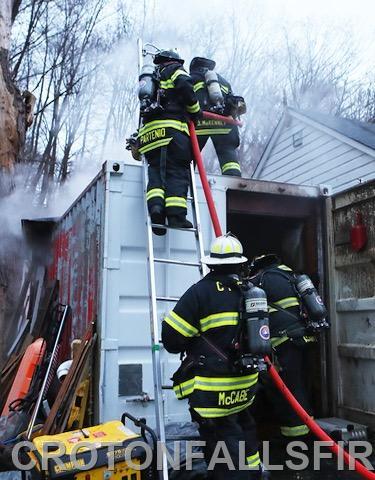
(14, 118)
(12, 106)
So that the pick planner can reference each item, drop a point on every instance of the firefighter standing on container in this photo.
(219, 396)
(215, 94)
(164, 140)
(289, 335)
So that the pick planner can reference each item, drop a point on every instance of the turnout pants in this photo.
(168, 174)
(291, 359)
(230, 441)
(226, 145)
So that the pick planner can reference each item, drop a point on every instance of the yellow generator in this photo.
(106, 451)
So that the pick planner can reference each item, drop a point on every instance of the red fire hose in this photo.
(205, 184)
(228, 120)
(300, 411)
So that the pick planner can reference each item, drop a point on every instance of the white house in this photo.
(313, 148)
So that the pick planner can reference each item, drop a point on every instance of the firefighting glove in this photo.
(196, 117)
(132, 144)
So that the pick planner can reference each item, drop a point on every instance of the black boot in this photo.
(178, 221)
(157, 215)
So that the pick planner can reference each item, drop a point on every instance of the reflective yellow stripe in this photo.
(157, 144)
(213, 131)
(193, 108)
(224, 88)
(284, 267)
(166, 84)
(155, 192)
(276, 341)
(181, 325)
(184, 389)
(176, 202)
(219, 384)
(309, 339)
(197, 86)
(177, 73)
(169, 83)
(219, 320)
(230, 166)
(176, 124)
(287, 302)
(221, 412)
(294, 431)
(253, 460)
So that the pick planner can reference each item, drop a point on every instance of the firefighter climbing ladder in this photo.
(155, 300)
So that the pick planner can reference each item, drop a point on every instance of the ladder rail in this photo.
(154, 323)
(196, 219)
(155, 333)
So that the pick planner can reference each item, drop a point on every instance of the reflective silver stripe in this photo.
(155, 192)
(230, 166)
(219, 320)
(180, 325)
(157, 144)
(176, 202)
(193, 108)
(221, 412)
(294, 431)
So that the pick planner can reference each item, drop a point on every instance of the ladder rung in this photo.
(166, 227)
(167, 387)
(190, 198)
(177, 262)
(167, 299)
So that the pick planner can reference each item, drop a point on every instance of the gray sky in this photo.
(357, 16)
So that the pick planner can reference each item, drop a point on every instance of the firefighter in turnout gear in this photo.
(221, 100)
(288, 337)
(164, 140)
(203, 325)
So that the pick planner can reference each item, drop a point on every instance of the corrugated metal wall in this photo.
(126, 365)
(353, 306)
(320, 159)
(76, 256)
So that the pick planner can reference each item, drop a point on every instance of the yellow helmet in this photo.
(225, 250)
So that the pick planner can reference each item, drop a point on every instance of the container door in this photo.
(352, 302)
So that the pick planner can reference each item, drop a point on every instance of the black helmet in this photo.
(201, 63)
(263, 261)
(167, 56)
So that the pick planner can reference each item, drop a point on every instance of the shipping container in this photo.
(100, 259)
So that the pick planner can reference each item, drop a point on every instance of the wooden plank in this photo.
(69, 384)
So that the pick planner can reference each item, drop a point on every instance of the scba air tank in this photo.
(256, 320)
(214, 91)
(310, 298)
(146, 87)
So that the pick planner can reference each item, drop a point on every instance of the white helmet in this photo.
(225, 250)
(63, 369)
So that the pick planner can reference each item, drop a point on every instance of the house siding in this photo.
(322, 159)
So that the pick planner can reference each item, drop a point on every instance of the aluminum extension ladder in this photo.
(155, 299)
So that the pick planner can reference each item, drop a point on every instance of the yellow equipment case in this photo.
(111, 445)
